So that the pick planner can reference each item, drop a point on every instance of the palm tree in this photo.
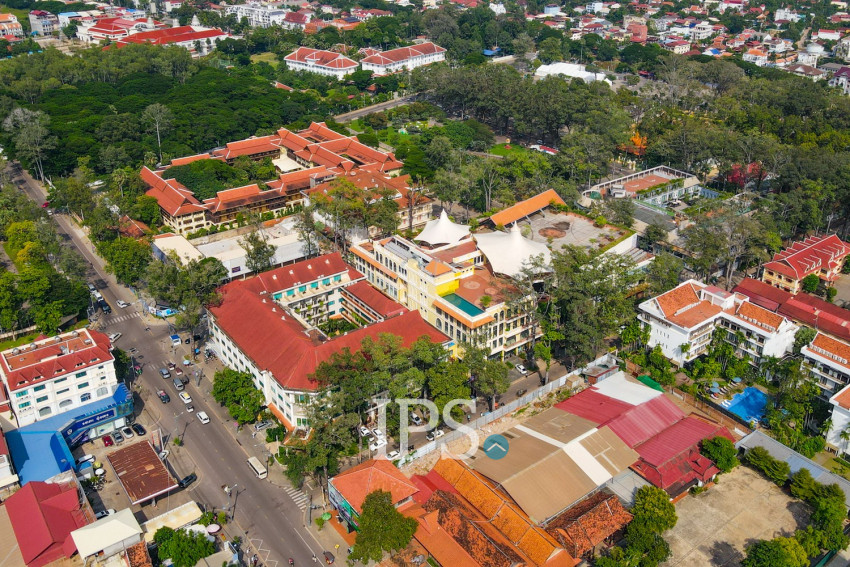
(845, 437)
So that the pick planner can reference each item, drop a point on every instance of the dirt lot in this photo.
(714, 527)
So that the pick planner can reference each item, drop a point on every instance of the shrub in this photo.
(600, 221)
(722, 451)
(773, 469)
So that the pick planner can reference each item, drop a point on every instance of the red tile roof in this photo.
(43, 516)
(809, 256)
(375, 474)
(376, 300)
(590, 522)
(526, 208)
(835, 350)
(679, 473)
(299, 273)
(437, 542)
(24, 366)
(276, 342)
(321, 58)
(682, 306)
(403, 54)
(180, 34)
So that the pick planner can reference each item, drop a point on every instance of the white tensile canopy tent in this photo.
(443, 231)
(508, 252)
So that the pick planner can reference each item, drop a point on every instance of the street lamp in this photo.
(229, 491)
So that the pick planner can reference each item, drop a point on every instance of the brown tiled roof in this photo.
(588, 523)
(527, 207)
(838, 351)
(375, 474)
(137, 555)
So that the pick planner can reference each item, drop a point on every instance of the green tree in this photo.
(803, 337)
(810, 283)
(655, 232)
(127, 258)
(183, 548)
(159, 119)
(550, 50)
(382, 528)
(663, 273)
(779, 552)
(654, 509)
(259, 254)
(448, 381)
(236, 391)
(31, 135)
(621, 211)
(147, 210)
(722, 451)
(10, 302)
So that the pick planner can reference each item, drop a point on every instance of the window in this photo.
(44, 412)
(41, 399)
(65, 403)
(60, 380)
(80, 374)
(314, 285)
(302, 289)
(21, 394)
(326, 281)
(290, 292)
(39, 388)
(24, 405)
(302, 422)
(337, 278)
(63, 391)
(85, 397)
(83, 385)
(102, 392)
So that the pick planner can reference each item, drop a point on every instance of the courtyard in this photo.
(563, 229)
(714, 527)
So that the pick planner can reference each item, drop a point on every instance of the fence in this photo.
(498, 413)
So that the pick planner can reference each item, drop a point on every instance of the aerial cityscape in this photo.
(448, 283)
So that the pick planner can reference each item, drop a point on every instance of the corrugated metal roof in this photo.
(642, 422)
(593, 406)
(677, 439)
(795, 461)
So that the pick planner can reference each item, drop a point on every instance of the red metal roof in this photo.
(680, 437)
(376, 300)
(593, 406)
(43, 516)
(762, 294)
(646, 420)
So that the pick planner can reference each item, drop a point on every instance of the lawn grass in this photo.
(507, 149)
(267, 56)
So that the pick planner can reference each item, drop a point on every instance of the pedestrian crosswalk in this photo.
(118, 319)
(297, 496)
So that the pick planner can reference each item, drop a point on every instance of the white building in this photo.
(43, 23)
(756, 57)
(54, 375)
(321, 62)
(841, 79)
(827, 362)
(572, 70)
(258, 16)
(683, 320)
(839, 421)
(786, 14)
(403, 58)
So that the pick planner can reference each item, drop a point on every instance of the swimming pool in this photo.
(749, 404)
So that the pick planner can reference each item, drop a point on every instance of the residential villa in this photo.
(682, 322)
(822, 256)
(10, 26)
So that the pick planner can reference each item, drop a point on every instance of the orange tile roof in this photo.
(375, 474)
(835, 350)
(503, 514)
(527, 207)
(437, 541)
(759, 316)
(374, 263)
(436, 268)
(843, 398)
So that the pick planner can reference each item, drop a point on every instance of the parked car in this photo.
(392, 455)
(163, 396)
(114, 337)
(116, 435)
(92, 289)
(434, 434)
(190, 408)
(164, 454)
(203, 417)
(187, 480)
(127, 432)
(104, 513)
(122, 304)
(140, 431)
(521, 369)
(364, 431)
(185, 398)
(415, 419)
(263, 425)
(85, 459)
(104, 306)
(164, 373)
(378, 433)
(178, 371)
(521, 393)
(377, 444)
(107, 441)
(171, 366)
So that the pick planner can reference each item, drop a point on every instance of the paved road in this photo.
(361, 112)
(268, 514)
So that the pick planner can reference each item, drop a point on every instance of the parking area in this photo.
(716, 526)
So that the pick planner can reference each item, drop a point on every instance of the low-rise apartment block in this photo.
(57, 374)
(270, 327)
(10, 26)
(319, 61)
(827, 362)
(258, 16)
(403, 58)
(683, 320)
(823, 256)
(43, 23)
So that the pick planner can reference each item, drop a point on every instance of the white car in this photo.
(203, 417)
(392, 455)
(185, 398)
(521, 369)
(377, 444)
(104, 513)
(379, 433)
(434, 434)
(415, 419)
(122, 304)
(114, 337)
(364, 431)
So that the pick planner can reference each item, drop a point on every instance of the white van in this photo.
(258, 468)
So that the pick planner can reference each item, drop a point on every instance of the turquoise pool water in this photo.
(749, 404)
(462, 304)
